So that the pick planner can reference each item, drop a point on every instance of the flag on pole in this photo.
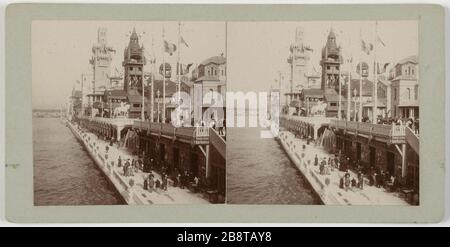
(366, 47)
(381, 41)
(169, 47)
(182, 41)
(382, 70)
(183, 69)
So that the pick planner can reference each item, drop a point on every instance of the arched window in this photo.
(408, 92)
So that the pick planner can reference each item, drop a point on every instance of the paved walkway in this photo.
(173, 195)
(369, 195)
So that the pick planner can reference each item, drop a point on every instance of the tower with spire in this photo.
(101, 60)
(298, 60)
(133, 63)
(330, 62)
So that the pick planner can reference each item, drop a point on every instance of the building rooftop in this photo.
(313, 92)
(410, 59)
(208, 78)
(216, 60)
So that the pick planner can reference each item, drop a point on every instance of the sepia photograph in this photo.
(128, 112)
(224, 113)
(340, 100)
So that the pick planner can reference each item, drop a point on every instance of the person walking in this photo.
(347, 181)
(119, 162)
(360, 180)
(316, 160)
(151, 183)
(164, 182)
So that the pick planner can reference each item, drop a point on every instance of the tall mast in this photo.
(178, 63)
(360, 83)
(143, 87)
(152, 81)
(340, 85)
(164, 80)
(349, 85)
(375, 83)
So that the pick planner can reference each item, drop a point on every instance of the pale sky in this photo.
(61, 50)
(258, 50)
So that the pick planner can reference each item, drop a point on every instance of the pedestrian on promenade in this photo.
(157, 184)
(164, 181)
(379, 179)
(360, 180)
(316, 160)
(322, 166)
(145, 184)
(126, 167)
(151, 183)
(374, 179)
(119, 162)
(179, 180)
(346, 181)
(186, 179)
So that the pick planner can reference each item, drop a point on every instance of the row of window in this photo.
(408, 94)
(213, 71)
(131, 69)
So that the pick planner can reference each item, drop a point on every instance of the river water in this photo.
(64, 174)
(260, 172)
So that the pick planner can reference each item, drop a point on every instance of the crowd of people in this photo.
(348, 181)
(152, 182)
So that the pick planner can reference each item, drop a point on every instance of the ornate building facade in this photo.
(299, 56)
(331, 62)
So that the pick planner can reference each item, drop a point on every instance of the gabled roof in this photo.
(116, 93)
(315, 92)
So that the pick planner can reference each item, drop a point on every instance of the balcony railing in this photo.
(390, 133)
(195, 135)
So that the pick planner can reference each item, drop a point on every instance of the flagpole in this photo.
(164, 80)
(375, 94)
(178, 63)
(360, 83)
(349, 85)
(340, 88)
(152, 75)
(143, 91)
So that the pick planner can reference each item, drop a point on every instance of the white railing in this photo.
(196, 133)
(395, 133)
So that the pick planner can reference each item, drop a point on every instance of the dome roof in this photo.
(216, 60)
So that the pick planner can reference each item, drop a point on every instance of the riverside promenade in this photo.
(327, 186)
(132, 194)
